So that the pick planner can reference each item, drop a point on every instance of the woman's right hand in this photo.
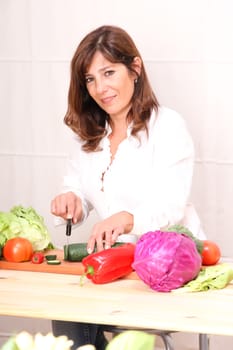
(68, 206)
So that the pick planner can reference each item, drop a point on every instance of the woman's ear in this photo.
(137, 65)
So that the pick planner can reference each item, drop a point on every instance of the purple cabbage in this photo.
(166, 260)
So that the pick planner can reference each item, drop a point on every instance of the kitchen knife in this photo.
(68, 229)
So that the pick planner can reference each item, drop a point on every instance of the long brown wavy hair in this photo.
(84, 116)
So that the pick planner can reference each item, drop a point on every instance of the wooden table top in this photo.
(126, 302)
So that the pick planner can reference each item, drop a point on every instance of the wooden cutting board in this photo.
(66, 267)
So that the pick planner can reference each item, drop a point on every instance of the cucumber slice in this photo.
(51, 257)
(53, 262)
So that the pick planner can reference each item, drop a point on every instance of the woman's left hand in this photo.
(105, 232)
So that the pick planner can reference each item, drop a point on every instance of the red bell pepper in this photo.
(109, 264)
(37, 258)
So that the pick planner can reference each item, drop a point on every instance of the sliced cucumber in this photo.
(53, 262)
(51, 257)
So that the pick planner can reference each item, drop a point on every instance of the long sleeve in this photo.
(72, 182)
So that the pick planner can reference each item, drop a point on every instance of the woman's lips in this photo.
(107, 100)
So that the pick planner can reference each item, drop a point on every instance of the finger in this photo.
(116, 232)
(73, 207)
(91, 244)
(100, 241)
(70, 206)
(58, 206)
(97, 237)
(108, 239)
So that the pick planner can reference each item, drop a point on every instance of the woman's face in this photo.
(111, 85)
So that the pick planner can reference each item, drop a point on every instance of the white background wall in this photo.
(187, 46)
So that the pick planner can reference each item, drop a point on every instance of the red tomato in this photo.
(17, 250)
(211, 253)
(37, 258)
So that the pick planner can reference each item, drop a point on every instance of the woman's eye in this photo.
(88, 80)
(108, 73)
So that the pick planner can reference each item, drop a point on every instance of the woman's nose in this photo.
(100, 86)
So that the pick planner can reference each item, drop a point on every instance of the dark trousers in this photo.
(81, 333)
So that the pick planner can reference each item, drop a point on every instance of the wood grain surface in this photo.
(123, 303)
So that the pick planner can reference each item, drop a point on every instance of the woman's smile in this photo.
(107, 100)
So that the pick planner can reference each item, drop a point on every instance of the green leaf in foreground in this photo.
(10, 344)
(132, 340)
(211, 277)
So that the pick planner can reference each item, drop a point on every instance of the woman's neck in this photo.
(119, 126)
(118, 134)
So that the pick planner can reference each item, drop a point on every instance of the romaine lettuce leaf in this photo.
(211, 277)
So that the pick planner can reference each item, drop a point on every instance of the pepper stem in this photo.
(89, 271)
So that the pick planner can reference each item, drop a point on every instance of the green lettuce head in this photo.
(24, 222)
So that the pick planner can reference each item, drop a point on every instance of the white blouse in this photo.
(149, 178)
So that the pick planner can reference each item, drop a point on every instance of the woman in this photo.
(133, 160)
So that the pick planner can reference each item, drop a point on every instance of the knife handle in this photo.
(68, 227)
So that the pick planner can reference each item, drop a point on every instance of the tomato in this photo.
(18, 249)
(37, 258)
(211, 253)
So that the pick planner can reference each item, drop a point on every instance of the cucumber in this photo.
(51, 257)
(78, 251)
(53, 262)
